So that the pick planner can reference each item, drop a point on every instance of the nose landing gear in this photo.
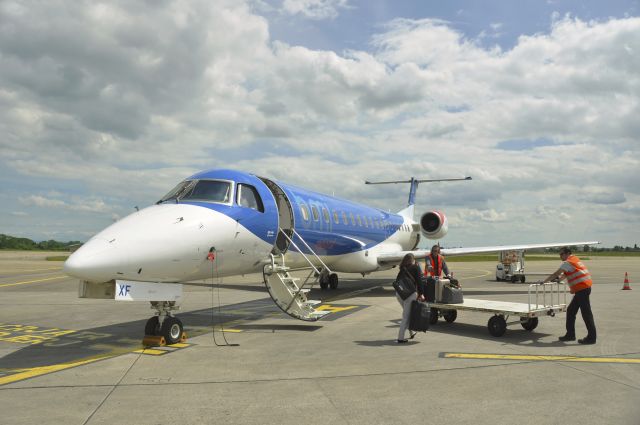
(164, 328)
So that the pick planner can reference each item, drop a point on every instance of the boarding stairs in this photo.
(287, 291)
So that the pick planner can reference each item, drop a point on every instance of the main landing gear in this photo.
(164, 325)
(328, 280)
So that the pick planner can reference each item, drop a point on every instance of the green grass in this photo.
(57, 258)
(494, 257)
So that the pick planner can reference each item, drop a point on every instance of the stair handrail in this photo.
(303, 255)
(309, 248)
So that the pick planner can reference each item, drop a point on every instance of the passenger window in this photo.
(366, 224)
(335, 217)
(305, 212)
(359, 220)
(344, 217)
(353, 220)
(325, 214)
(248, 197)
(314, 211)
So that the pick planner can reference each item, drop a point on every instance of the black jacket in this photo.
(416, 273)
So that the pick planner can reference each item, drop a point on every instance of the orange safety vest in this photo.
(437, 266)
(579, 278)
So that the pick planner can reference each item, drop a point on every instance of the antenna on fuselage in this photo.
(414, 185)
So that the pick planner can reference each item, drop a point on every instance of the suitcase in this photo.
(451, 295)
(429, 289)
(419, 317)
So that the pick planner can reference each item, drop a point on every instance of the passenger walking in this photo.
(579, 281)
(410, 270)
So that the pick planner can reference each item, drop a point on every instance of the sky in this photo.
(105, 106)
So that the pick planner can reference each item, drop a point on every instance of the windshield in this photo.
(200, 190)
(177, 191)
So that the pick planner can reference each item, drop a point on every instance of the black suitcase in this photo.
(429, 288)
(419, 317)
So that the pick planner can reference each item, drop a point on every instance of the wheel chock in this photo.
(183, 338)
(153, 341)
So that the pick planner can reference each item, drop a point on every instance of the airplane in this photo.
(224, 222)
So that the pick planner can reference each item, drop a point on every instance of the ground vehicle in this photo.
(510, 266)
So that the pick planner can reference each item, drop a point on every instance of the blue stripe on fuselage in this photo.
(326, 237)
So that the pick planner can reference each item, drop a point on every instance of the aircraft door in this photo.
(285, 217)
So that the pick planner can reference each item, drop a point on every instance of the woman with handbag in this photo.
(408, 280)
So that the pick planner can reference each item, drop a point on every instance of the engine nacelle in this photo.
(434, 224)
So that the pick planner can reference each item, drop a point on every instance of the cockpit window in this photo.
(248, 197)
(178, 191)
(208, 190)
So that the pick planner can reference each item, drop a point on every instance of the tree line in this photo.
(11, 242)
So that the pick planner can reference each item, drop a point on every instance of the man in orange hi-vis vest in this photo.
(435, 263)
(579, 281)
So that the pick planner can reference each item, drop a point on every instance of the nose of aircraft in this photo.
(94, 261)
(161, 243)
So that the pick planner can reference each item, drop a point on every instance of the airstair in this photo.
(287, 291)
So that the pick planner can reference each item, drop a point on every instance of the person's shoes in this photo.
(402, 341)
(566, 338)
(587, 341)
(412, 335)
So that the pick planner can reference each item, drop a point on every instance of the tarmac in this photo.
(65, 360)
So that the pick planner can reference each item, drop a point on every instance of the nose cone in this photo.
(93, 261)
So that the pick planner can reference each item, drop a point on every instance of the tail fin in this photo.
(409, 210)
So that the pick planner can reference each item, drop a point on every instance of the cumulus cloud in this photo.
(128, 99)
(84, 205)
(314, 9)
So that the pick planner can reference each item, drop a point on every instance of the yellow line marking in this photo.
(151, 351)
(180, 345)
(542, 358)
(33, 281)
(222, 329)
(42, 370)
(333, 309)
(37, 270)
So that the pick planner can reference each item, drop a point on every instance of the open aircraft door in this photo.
(284, 288)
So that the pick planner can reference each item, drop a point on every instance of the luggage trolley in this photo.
(544, 299)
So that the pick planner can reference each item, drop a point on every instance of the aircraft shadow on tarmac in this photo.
(120, 338)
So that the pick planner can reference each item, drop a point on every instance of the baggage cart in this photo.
(545, 299)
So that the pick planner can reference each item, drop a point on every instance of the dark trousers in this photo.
(581, 301)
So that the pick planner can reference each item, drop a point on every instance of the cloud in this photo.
(125, 100)
(314, 9)
(83, 205)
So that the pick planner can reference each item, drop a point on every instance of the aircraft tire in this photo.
(333, 281)
(151, 327)
(497, 325)
(450, 315)
(171, 330)
(523, 278)
(324, 284)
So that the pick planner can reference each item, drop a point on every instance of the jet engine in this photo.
(434, 225)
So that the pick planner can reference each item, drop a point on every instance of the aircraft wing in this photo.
(396, 257)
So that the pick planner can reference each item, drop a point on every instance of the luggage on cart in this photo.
(429, 289)
(451, 295)
(419, 317)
